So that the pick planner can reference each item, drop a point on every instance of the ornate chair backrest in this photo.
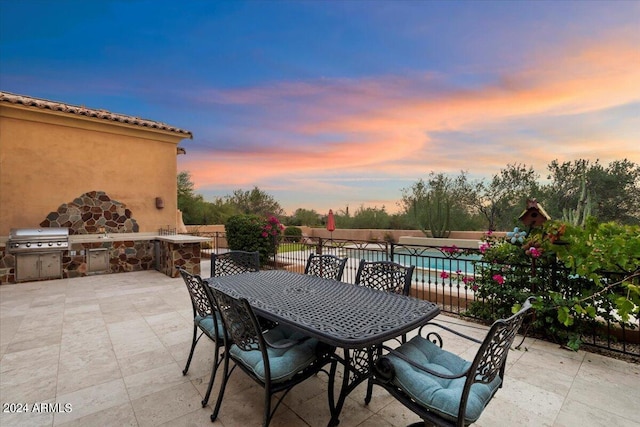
(234, 262)
(491, 358)
(241, 325)
(385, 276)
(327, 266)
(201, 298)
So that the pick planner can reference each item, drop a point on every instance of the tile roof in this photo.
(88, 112)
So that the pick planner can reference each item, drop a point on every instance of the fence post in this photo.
(319, 246)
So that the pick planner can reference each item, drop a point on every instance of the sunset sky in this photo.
(328, 104)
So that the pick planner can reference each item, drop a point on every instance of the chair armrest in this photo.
(453, 331)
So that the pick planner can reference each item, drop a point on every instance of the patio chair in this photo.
(385, 276)
(206, 319)
(327, 266)
(234, 262)
(277, 359)
(441, 387)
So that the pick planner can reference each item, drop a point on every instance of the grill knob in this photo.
(59, 243)
(39, 244)
(28, 245)
(50, 243)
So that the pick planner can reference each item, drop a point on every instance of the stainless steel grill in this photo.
(25, 240)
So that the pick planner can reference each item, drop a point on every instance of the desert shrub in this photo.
(294, 234)
(254, 233)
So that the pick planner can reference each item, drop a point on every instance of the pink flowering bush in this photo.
(579, 274)
(254, 233)
(506, 275)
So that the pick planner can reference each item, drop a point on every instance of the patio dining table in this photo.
(353, 318)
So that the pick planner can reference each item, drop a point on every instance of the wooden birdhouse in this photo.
(534, 215)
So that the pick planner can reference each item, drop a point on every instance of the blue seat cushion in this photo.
(207, 326)
(283, 363)
(440, 395)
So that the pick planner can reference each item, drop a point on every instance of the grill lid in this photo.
(38, 239)
(35, 234)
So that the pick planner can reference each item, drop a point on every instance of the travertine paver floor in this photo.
(112, 349)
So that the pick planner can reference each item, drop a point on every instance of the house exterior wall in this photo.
(49, 158)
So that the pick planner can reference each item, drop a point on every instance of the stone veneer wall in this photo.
(124, 256)
(179, 255)
(91, 212)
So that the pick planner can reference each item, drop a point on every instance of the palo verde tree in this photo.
(437, 205)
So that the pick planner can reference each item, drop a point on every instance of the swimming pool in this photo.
(429, 260)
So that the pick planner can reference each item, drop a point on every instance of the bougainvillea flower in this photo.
(498, 278)
(444, 275)
(450, 249)
(484, 246)
(535, 252)
(467, 279)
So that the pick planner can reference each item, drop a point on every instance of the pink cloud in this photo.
(387, 125)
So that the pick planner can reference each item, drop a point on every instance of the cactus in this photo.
(436, 208)
(579, 215)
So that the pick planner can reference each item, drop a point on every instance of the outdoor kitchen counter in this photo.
(119, 237)
(112, 253)
(168, 250)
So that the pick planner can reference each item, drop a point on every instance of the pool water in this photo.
(429, 260)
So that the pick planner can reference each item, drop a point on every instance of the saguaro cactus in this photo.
(578, 216)
(435, 213)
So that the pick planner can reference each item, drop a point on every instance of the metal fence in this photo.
(442, 276)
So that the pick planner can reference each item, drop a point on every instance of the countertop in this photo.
(119, 237)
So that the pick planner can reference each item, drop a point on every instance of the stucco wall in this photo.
(355, 234)
(50, 158)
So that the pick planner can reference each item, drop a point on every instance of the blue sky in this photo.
(325, 104)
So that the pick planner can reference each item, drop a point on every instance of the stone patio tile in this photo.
(397, 415)
(121, 416)
(29, 375)
(128, 348)
(247, 409)
(523, 401)
(91, 400)
(196, 418)
(165, 405)
(574, 413)
(144, 361)
(30, 419)
(115, 345)
(153, 380)
(609, 396)
(32, 334)
(85, 368)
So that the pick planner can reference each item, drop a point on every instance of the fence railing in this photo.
(442, 276)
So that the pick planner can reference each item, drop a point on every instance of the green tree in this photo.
(370, 218)
(502, 200)
(191, 204)
(614, 190)
(308, 217)
(255, 202)
(438, 203)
